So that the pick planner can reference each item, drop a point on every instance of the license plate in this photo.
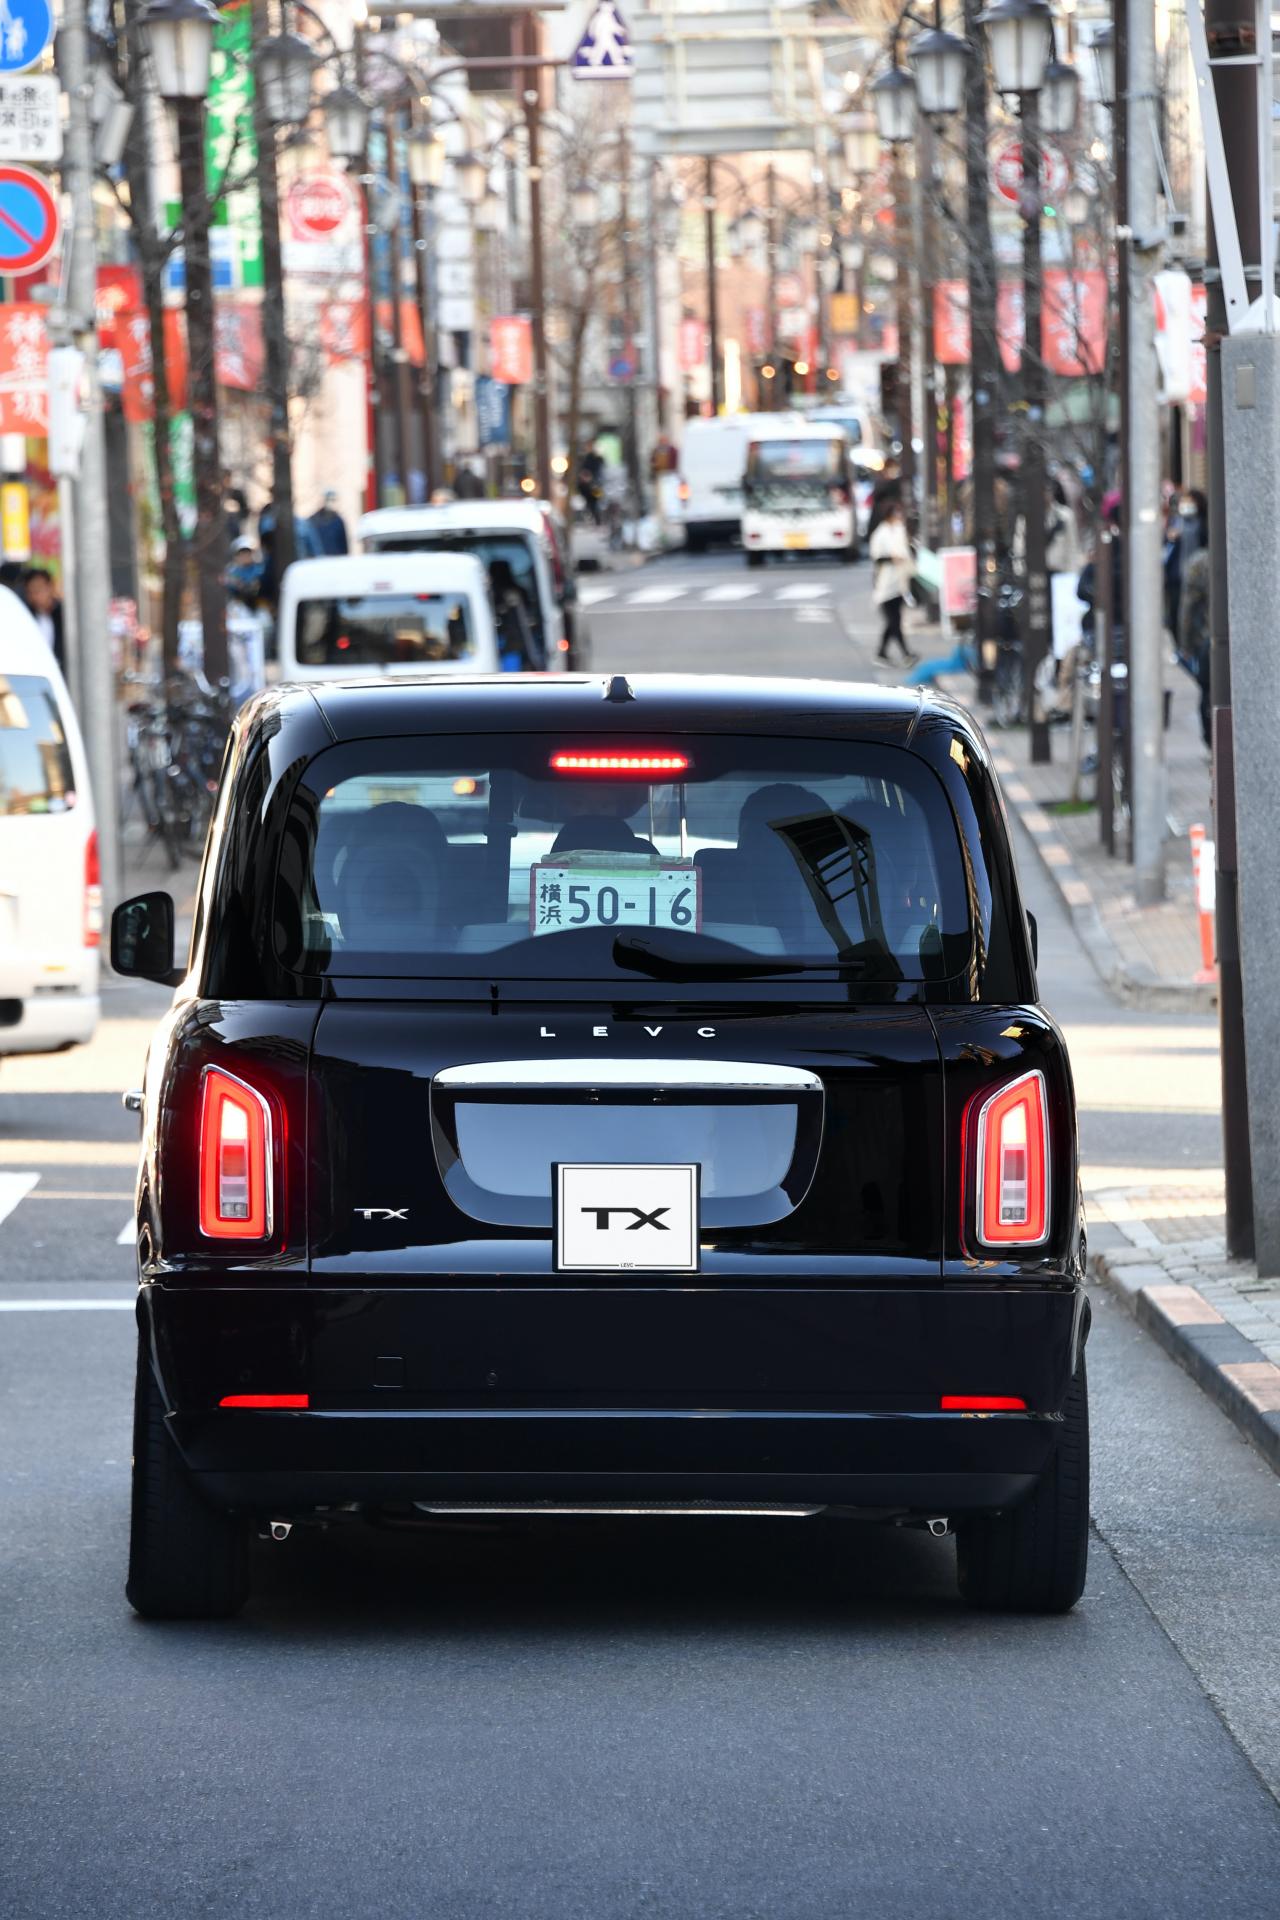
(610, 894)
(795, 539)
(626, 1218)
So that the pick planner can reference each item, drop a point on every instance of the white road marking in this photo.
(113, 1305)
(734, 590)
(127, 1234)
(655, 596)
(13, 1188)
(592, 596)
(803, 590)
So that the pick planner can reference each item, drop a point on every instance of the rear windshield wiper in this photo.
(642, 953)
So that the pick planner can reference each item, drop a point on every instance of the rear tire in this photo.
(755, 559)
(187, 1561)
(695, 540)
(1033, 1559)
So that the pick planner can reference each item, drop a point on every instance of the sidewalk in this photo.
(1161, 1251)
(1149, 956)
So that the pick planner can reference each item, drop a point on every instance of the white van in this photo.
(519, 544)
(713, 459)
(798, 493)
(356, 614)
(50, 893)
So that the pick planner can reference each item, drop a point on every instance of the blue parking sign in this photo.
(26, 28)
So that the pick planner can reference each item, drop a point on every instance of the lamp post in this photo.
(426, 156)
(346, 125)
(893, 95)
(1021, 42)
(179, 36)
(283, 67)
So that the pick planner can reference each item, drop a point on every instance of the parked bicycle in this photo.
(175, 743)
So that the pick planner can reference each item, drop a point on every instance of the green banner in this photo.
(230, 141)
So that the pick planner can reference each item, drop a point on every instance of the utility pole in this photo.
(1036, 621)
(91, 581)
(713, 308)
(1230, 26)
(902, 302)
(771, 294)
(1142, 559)
(984, 365)
(420, 229)
(274, 328)
(629, 323)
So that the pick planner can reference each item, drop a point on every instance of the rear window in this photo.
(35, 761)
(384, 630)
(529, 856)
(772, 461)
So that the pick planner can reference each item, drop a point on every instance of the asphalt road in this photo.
(789, 1721)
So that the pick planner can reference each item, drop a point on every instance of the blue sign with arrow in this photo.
(26, 28)
(604, 51)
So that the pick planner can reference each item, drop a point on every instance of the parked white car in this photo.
(50, 892)
(354, 615)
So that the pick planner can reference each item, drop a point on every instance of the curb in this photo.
(1137, 986)
(1230, 1369)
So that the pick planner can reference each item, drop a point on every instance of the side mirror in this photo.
(1033, 926)
(142, 939)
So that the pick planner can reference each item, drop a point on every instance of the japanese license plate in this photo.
(795, 539)
(621, 1218)
(613, 895)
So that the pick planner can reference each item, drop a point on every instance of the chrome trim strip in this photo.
(712, 1075)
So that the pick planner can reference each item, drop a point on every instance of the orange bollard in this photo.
(1203, 880)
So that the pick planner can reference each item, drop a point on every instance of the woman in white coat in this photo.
(891, 582)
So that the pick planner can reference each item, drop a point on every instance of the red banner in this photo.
(344, 330)
(693, 345)
(24, 371)
(951, 323)
(511, 350)
(239, 353)
(138, 395)
(411, 337)
(1073, 328)
(119, 292)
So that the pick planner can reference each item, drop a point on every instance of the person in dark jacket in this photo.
(330, 528)
(1194, 635)
(41, 597)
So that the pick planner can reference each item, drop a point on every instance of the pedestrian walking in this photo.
(41, 596)
(1193, 633)
(887, 490)
(891, 586)
(330, 528)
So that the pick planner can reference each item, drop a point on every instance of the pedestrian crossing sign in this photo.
(604, 51)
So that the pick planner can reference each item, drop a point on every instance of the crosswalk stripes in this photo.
(727, 593)
(14, 1187)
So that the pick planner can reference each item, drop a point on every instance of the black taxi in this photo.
(598, 1095)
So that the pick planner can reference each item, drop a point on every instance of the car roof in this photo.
(480, 516)
(782, 426)
(458, 702)
(335, 573)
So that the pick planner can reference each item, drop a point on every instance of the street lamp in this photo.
(894, 98)
(938, 60)
(1020, 38)
(861, 144)
(471, 177)
(489, 213)
(426, 157)
(1059, 97)
(346, 124)
(584, 204)
(1104, 60)
(179, 34)
(1077, 206)
(283, 69)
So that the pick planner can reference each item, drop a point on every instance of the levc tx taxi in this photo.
(597, 1095)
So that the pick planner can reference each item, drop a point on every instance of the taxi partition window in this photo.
(384, 630)
(533, 856)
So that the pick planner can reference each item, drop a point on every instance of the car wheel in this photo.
(695, 540)
(849, 554)
(187, 1561)
(755, 559)
(1033, 1558)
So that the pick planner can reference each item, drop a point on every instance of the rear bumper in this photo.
(48, 1021)
(589, 1396)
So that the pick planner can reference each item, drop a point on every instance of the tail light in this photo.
(973, 1403)
(636, 766)
(235, 1160)
(92, 892)
(1011, 1192)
